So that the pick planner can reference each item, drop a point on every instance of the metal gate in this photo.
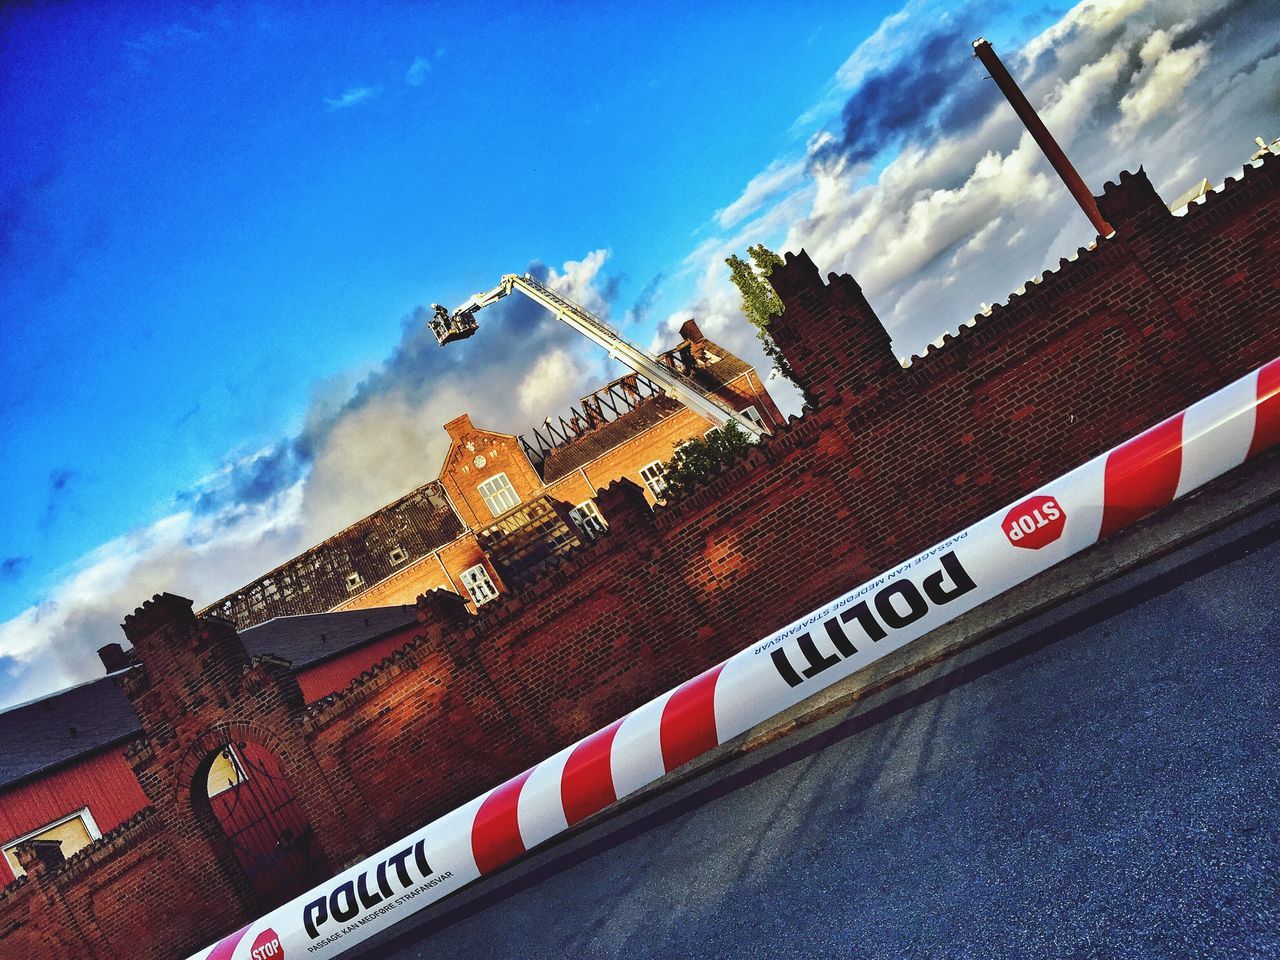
(259, 815)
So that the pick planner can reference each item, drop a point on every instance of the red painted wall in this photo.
(104, 782)
(336, 673)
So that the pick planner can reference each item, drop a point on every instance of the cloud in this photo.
(638, 313)
(387, 437)
(203, 28)
(52, 643)
(1160, 83)
(909, 98)
(247, 481)
(60, 479)
(416, 75)
(351, 97)
(896, 33)
(921, 182)
(762, 187)
(363, 443)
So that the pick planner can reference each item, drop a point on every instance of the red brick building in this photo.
(349, 731)
(502, 503)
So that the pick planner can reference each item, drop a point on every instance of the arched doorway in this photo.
(248, 796)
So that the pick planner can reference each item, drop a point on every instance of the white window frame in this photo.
(658, 489)
(354, 582)
(588, 518)
(488, 590)
(83, 815)
(498, 494)
(754, 415)
(401, 558)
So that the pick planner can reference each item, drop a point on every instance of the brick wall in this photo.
(889, 460)
(127, 895)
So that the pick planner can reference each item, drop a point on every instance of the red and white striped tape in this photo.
(1012, 545)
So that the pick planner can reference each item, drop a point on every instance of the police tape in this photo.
(1012, 545)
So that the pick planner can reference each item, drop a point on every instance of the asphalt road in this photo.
(1100, 785)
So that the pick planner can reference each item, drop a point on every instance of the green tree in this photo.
(696, 460)
(759, 303)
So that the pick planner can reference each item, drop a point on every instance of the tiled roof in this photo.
(44, 733)
(310, 638)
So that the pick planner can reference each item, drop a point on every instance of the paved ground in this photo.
(1100, 782)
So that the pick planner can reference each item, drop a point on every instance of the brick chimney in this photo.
(689, 330)
(114, 658)
(459, 427)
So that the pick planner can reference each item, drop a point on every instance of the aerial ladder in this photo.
(462, 323)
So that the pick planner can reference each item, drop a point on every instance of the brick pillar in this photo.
(36, 857)
(444, 617)
(689, 330)
(1144, 229)
(830, 335)
(1132, 205)
(622, 503)
(58, 928)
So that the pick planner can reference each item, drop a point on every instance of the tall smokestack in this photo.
(982, 50)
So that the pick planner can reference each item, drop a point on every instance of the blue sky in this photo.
(220, 223)
(210, 210)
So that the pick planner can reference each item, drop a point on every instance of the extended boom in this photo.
(462, 323)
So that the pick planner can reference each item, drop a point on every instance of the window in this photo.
(398, 556)
(354, 582)
(499, 495)
(225, 772)
(752, 414)
(476, 580)
(655, 478)
(75, 831)
(587, 516)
